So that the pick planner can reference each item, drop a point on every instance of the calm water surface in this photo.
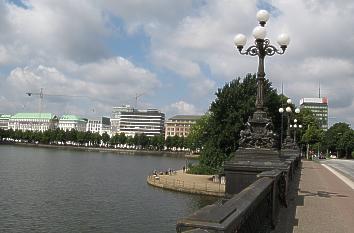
(52, 190)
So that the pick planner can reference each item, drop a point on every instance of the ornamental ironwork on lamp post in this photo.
(258, 132)
(289, 142)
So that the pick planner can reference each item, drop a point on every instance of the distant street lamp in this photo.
(289, 111)
(295, 127)
(281, 111)
(261, 48)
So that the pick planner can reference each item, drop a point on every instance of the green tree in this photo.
(114, 140)
(234, 104)
(312, 135)
(307, 119)
(197, 136)
(154, 142)
(71, 135)
(169, 142)
(333, 135)
(96, 139)
(130, 141)
(105, 138)
(122, 139)
(160, 142)
(346, 143)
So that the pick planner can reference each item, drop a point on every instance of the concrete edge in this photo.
(346, 180)
(184, 189)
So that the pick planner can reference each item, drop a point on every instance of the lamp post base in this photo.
(258, 133)
(289, 143)
(243, 168)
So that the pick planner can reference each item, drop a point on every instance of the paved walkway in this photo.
(322, 203)
(183, 182)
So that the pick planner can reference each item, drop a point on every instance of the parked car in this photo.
(333, 156)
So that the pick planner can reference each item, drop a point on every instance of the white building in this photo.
(69, 122)
(33, 121)
(99, 125)
(131, 121)
(4, 121)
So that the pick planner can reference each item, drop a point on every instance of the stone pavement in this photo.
(321, 203)
(183, 182)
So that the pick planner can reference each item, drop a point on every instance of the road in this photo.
(346, 167)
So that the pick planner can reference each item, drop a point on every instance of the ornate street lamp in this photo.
(289, 111)
(262, 48)
(295, 127)
(281, 111)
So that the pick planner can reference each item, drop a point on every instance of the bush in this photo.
(199, 169)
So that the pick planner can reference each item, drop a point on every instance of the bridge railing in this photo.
(254, 209)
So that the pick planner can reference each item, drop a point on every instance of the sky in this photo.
(89, 56)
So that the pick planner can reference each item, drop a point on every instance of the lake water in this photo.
(52, 190)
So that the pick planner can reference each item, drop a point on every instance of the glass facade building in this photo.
(319, 108)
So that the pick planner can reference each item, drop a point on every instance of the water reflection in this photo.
(49, 190)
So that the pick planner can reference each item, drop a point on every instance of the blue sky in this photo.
(175, 54)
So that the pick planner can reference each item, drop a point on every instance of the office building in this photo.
(319, 108)
(131, 121)
(180, 125)
(33, 121)
(69, 122)
(99, 125)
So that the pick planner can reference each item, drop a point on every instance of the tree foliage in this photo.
(77, 138)
(228, 113)
(339, 138)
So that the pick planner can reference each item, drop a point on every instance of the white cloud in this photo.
(203, 87)
(321, 46)
(140, 13)
(109, 82)
(68, 38)
(180, 108)
(55, 30)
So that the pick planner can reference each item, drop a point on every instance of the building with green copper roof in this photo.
(33, 121)
(69, 122)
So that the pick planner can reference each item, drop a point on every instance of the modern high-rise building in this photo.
(319, 108)
(180, 125)
(99, 125)
(131, 121)
(33, 121)
(69, 122)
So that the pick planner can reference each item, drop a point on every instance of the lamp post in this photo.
(295, 127)
(281, 111)
(289, 111)
(261, 48)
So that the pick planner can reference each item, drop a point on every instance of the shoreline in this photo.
(188, 183)
(182, 154)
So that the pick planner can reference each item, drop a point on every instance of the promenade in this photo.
(321, 203)
(183, 182)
